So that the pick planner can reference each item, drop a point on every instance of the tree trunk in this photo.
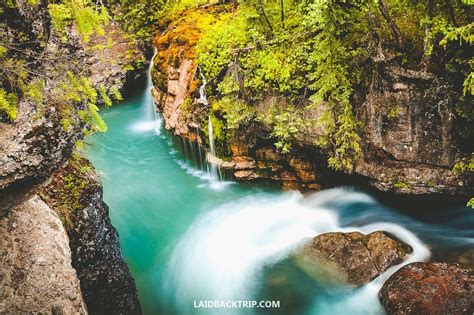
(391, 24)
(282, 13)
(262, 9)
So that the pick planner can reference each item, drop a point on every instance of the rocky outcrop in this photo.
(352, 257)
(171, 102)
(35, 144)
(429, 289)
(112, 59)
(409, 143)
(106, 282)
(36, 275)
(31, 151)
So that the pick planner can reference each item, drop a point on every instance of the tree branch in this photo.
(391, 24)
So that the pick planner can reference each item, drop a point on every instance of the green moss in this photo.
(393, 111)
(67, 191)
(401, 185)
(430, 184)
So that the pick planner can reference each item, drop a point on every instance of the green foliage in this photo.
(35, 90)
(285, 127)
(141, 18)
(237, 113)
(217, 127)
(215, 48)
(33, 2)
(105, 98)
(401, 185)
(8, 104)
(88, 18)
(393, 111)
(116, 95)
(331, 82)
(470, 203)
(465, 166)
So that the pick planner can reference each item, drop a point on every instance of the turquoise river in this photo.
(188, 237)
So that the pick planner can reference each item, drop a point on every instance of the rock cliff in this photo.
(42, 271)
(106, 282)
(409, 143)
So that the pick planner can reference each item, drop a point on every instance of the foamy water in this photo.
(223, 253)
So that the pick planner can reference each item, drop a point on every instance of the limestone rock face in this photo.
(36, 275)
(170, 100)
(409, 134)
(429, 289)
(353, 257)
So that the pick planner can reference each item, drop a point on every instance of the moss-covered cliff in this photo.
(306, 93)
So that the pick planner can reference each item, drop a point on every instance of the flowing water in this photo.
(188, 237)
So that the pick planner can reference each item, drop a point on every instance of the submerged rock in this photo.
(351, 257)
(429, 288)
(36, 276)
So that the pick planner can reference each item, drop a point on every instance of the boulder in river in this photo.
(429, 288)
(351, 257)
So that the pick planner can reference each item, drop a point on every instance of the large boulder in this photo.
(351, 257)
(36, 276)
(429, 288)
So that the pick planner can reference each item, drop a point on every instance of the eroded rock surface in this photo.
(352, 257)
(409, 135)
(36, 275)
(429, 289)
(106, 282)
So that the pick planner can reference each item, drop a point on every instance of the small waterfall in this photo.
(213, 169)
(151, 120)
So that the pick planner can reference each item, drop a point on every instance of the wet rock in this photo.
(106, 282)
(247, 175)
(429, 289)
(352, 257)
(36, 276)
(304, 169)
(243, 162)
(172, 96)
(268, 154)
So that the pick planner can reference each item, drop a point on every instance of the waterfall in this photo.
(213, 169)
(150, 120)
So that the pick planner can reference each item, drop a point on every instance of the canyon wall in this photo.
(43, 269)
